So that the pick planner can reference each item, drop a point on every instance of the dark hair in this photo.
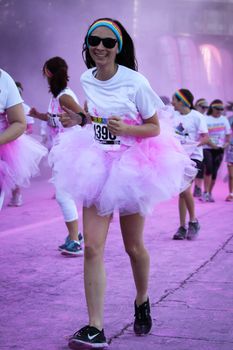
(19, 85)
(125, 58)
(58, 68)
(188, 95)
(210, 110)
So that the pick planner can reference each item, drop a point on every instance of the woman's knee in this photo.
(93, 250)
(135, 250)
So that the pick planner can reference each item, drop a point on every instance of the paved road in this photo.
(191, 285)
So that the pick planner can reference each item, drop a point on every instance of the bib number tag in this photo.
(103, 135)
(53, 121)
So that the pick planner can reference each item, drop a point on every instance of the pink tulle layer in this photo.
(19, 161)
(131, 180)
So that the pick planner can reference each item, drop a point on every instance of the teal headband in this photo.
(112, 26)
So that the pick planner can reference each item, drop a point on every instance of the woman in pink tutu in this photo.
(19, 154)
(122, 162)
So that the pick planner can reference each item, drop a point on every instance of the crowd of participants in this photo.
(122, 135)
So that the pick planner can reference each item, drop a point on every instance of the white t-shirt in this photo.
(127, 95)
(188, 128)
(54, 108)
(9, 96)
(218, 128)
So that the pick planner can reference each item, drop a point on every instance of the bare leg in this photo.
(189, 203)
(16, 192)
(198, 182)
(212, 186)
(230, 180)
(95, 233)
(207, 183)
(132, 232)
(72, 228)
(182, 210)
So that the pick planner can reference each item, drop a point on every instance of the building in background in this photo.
(179, 43)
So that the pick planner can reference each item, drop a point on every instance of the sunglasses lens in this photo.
(109, 43)
(94, 40)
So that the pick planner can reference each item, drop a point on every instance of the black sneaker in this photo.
(88, 338)
(197, 191)
(143, 321)
(180, 233)
(193, 230)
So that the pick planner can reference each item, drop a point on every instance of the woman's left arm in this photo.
(17, 124)
(149, 128)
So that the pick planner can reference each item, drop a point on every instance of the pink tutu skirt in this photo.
(131, 180)
(19, 161)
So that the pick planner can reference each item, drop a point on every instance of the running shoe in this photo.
(229, 198)
(197, 192)
(64, 245)
(143, 321)
(73, 248)
(16, 201)
(211, 199)
(67, 241)
(205, 197)
(88, 338)
(180, 234)
(193, 229)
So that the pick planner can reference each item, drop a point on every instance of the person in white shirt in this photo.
(56, 72)
(20, 155)
(16, 199)
(201, 105)
(125, 161)
(229, 160)
(191, 129)
(219, 130)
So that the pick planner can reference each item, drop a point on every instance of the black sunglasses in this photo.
(218, 108)
(109, 43)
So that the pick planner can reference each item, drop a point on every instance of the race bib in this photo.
(217, 140)
(103, 135)
(54, 121)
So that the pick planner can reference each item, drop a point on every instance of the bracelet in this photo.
(84, 119)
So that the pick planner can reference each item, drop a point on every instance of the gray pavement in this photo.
(191, 284)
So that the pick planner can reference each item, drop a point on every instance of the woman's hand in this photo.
(33, 112)
(69, 118)
(117, 127)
